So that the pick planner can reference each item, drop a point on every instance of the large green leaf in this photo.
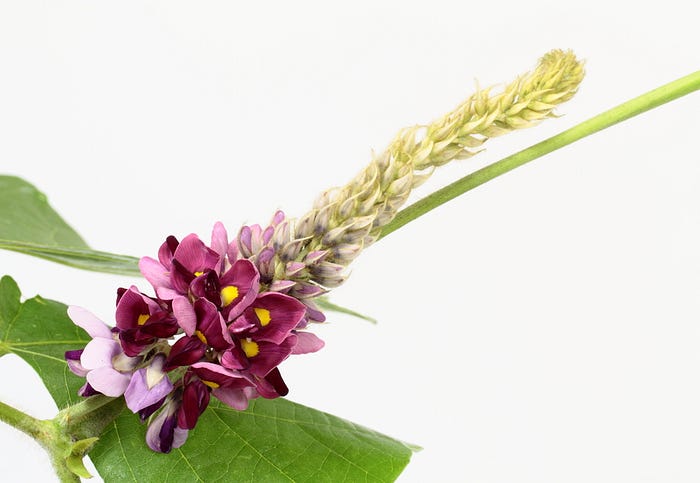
(29, 225)
(274, 440)
(40, 332)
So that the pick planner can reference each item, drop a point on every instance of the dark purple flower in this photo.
(163, 434)
(142, 321)
(195, 399)
(230, 387)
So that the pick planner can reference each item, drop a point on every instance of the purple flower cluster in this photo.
(220, 324)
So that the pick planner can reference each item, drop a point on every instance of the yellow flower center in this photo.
(142, 319)
(263, 316)
(250, 347)
(228, 295)
(212, 385)
(200, 336)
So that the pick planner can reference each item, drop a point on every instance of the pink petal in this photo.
(156, 274)
(108, 381)
(139, 396)
(219, 243)
(236, 398)
(76, 368)
(282, 285)
(307, 343)
(89, 322)
(99, 352)
(185, 315)
(165, 293)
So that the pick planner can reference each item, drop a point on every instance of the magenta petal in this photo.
(210, 372)
(131, 306)
(139, 396)
(212, 325)
(87, 321)
(195, 399)
(234, 359)
(194, 255)
(236, 398)
(166, 251)
(99, 352)
(187, 350)
(282, 314)
(307, 343)
(270, 356)
(108, 381)
(245, 277)
(185, 315)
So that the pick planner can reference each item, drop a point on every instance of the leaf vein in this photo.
(187, 461)
(261, 455)
(121, 448)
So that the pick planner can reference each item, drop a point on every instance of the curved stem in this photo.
(46, 434)
(631, 108)
(35, 428)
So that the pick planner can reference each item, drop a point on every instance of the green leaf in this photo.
(326, 304)
(274, 440)
(40, 332)
(29, 225)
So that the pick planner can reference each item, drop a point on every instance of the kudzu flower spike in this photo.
(226, 315)
(214, 329)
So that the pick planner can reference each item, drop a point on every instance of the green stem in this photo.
(666, 93)
(24, 422)
(46, 434)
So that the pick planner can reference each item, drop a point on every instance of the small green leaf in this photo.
(326, 304)
(83, 446)
(74, 461)
(29, 225)
(274, 440)
(76, 465)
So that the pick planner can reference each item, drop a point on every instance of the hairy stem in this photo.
(650, 100)
(46, 434)
(35, 428)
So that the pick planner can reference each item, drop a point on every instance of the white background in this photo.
(542, 328)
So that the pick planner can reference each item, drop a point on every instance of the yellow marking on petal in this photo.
(200, 336)
(228, 295)
(250, 347)
(142, 319)
(212, 385)
(263, 316)
(197, 274)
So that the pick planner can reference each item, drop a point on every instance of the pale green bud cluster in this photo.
(345, 220)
